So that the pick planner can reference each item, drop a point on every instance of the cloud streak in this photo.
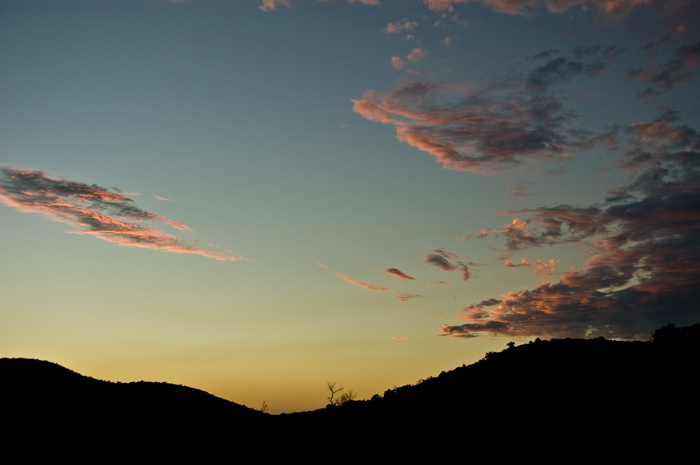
(611, 9)
(399, 274)
(91, 209)
(403, 297)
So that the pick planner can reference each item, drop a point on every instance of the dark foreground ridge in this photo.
(592, 394)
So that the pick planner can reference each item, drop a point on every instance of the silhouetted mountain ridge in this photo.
(562, 388)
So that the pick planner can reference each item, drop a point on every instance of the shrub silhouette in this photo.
(345, 397)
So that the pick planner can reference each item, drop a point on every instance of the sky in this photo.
(255, 198)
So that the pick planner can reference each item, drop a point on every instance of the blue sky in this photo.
(287, 146)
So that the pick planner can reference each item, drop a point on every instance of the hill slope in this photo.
(566, 391)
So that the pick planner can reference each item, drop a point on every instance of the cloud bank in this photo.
(645, 262)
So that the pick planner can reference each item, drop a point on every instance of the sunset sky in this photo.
(256, 197)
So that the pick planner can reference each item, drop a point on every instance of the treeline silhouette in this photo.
(594, 394)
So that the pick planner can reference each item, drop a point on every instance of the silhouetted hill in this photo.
(571, 393)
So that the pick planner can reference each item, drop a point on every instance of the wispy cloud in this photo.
(369, 287)
(399, 274)
(403, 297)
(158, 197)
(406, 296)
(321, 265)
(439, 258)
(518, 191)
(91, 209)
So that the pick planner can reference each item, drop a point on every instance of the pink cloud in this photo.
(417, 55)
(158, 197)
(321, 265)
(397, 62)
(367, 2)
(269, 5)
(369, 287)
(403, 297)
(400, 338)
(393, 28)
(539, 267)
(478, 133)
(94, 210)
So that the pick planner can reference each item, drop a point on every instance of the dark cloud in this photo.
(399, 274)
(466, 273)
(440, 261)
(645, 260)
(607, 9)
(110, 216)
(664, 77)
(559, 71)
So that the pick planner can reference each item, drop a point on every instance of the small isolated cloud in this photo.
(394, 28)
(269, 5)
(417, 55)
(321, 265)
(405, 297)
(158, 197)
(397, 62)
(399, 338)
(94, 210)
(399, 274)
(439, 282)
(447, 42)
